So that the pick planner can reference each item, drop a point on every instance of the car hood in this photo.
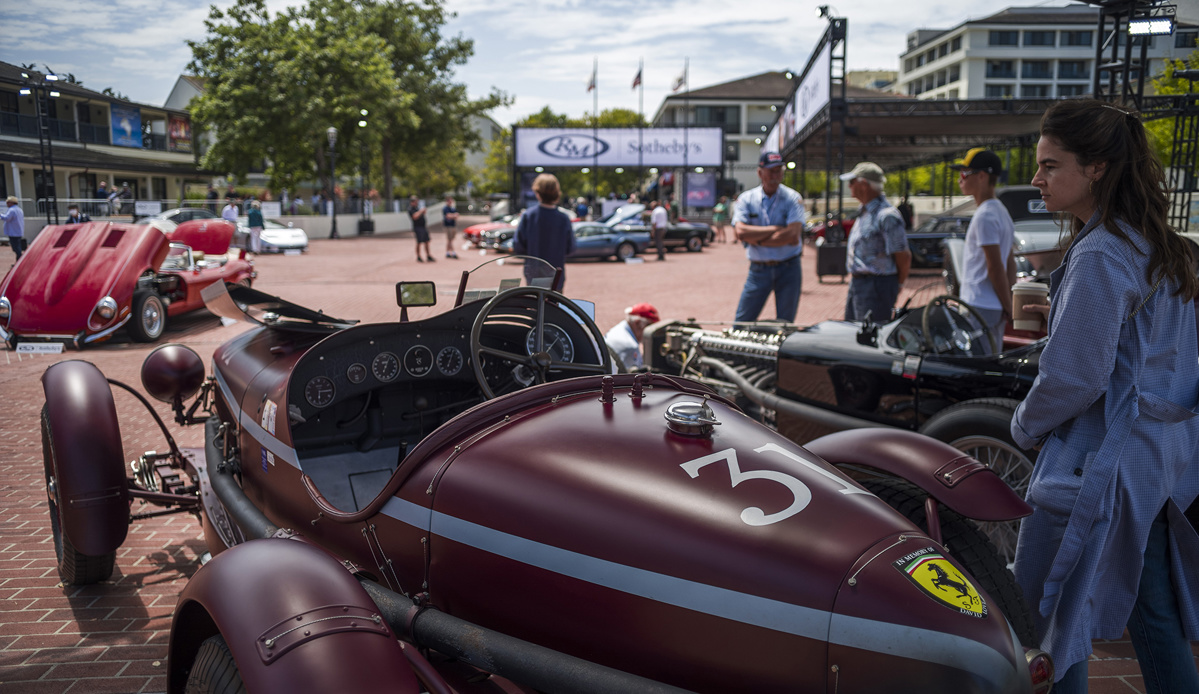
(69, 268)
(290, 236)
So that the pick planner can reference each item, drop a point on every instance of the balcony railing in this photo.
(22, 125)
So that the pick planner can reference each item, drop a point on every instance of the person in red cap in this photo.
(768, 220)
(625, 337)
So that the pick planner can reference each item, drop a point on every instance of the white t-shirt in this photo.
(990, 226)
(658, 218)
(229, 213)
(620, 338)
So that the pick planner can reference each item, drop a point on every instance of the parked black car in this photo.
(929, 370)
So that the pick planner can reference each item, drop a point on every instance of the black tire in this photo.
(74, 567)
(149, 318)
(695, 244)
(983, 429)
(214, 670)
(967, 544)
(625, 251)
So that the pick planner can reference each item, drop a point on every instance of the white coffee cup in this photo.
(1028, 293)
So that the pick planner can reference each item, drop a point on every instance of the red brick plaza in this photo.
(112, 637)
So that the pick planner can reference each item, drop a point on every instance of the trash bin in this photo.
(830, 259)
(366, 227)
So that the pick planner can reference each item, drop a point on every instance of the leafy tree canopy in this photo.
(277, 82)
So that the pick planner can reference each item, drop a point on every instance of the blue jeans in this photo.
(875, 294)
(17, 243)
(1155, 627)
(784, 279)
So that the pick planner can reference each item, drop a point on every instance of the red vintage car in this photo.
(471, 501)
(80, 283)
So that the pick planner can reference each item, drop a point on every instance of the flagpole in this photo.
(686, 126)
(595, 134)
(640, 122)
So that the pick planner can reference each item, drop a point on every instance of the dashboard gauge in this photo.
(385, 367)
(449, 361)
(356, 373)
(418, 360)
(556, 343)
(320, 391)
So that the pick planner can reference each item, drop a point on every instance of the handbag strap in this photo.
(1147, 297)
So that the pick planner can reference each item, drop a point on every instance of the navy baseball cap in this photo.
(770, 160)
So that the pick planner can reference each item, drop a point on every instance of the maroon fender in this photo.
(89, 463)
(295, 620)
(956, 480)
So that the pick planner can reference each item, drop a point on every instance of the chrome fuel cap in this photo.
(690, 418)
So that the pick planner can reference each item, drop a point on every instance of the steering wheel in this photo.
(519, 306)
(958, 326)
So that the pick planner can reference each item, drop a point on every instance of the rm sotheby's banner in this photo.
(578, 147)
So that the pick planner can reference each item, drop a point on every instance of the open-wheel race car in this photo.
(932, 369)
(80, 283)
(470, 501)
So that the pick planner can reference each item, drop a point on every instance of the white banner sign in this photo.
(270, 210)
(813, 93)
(579, 147)
(39, 348)
(147, 208)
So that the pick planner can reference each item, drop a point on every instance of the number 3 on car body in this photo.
(800, 491)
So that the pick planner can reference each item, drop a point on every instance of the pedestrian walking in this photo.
(877, 254)
(449, 219)
(14, 225)
(720, 217)
(256, 223)
(658, 221)
(769, 221)
(1113, 410)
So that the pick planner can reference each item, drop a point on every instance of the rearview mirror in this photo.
(413, 294)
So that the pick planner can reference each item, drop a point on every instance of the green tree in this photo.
(276, 83)
(1161, 132)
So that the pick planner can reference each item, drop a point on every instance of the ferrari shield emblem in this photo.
(939, 579)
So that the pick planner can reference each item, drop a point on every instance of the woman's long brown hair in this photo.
(1132, 187)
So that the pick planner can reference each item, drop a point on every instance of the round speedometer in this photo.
(320, 391)
(449, 361)
(555, 342)
(385, 367)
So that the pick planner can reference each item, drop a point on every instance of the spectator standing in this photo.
(229, 212)
(212, 198)
(14, 225)
(659, 220)
(420, 226)
(877, 257)
(647, 213)
(906, 211)
(449, 218)
(769, 221)
(1113, 410)
(114, 201)
(720, 217)
(988, 267)
(625, 337)
(256, 223)
(74, 216)
(581, 208)
(543, 231)
(102, 196)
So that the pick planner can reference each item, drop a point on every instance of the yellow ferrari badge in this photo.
(939, 579)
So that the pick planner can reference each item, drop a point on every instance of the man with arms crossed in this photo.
(769, 220)
(989, 270)
(877, 257)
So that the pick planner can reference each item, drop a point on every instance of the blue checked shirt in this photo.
(877, 233)
(1115, 407)
(758, 209)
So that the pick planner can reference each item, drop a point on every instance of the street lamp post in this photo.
(365, 225)
(332, 133)
(42, 106)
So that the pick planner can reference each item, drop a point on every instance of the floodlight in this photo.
(619, 170)
(361, 124)
(24, 91)
(54, 94)
(699, 169)
(1157, 26)
(790, 165)
(51, 78)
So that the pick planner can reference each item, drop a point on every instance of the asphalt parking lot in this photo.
(112, 637)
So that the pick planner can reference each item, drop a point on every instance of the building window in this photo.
(930, 56)
(913, 90)
(955, 73)
(1036, 70)
(920, 60)
(1039, 38)
(953, 93)
(999, 91)
(956, 44)
(1072, 70)
(907, 65)
(8, 104)
(1034, 91)
(1071, 89)
(1076, 38)
(1000, 68)
(943, 50)
(929, 83)
(941, 74)
(1186, 39)
(1005, 38)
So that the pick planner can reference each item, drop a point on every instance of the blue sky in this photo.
(538, 51)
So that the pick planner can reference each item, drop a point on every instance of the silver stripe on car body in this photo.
(281, 450)
(854, 632)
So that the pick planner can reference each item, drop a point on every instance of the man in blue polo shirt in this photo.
(768, 221)
(877, 257)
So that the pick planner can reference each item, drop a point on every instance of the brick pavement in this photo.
(112, 637)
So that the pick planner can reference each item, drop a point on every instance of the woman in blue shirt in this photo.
(1113, 410)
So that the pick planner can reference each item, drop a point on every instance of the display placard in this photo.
(579, 147)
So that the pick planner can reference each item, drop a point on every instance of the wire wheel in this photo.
(1014, 468)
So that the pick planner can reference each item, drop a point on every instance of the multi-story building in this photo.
(1021, 52)
(93, 137)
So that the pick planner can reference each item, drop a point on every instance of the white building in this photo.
(1020, 52)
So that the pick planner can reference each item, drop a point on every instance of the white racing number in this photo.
(800, 492)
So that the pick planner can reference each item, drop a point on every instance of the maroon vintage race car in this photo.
(471, 501)
(80, 283)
